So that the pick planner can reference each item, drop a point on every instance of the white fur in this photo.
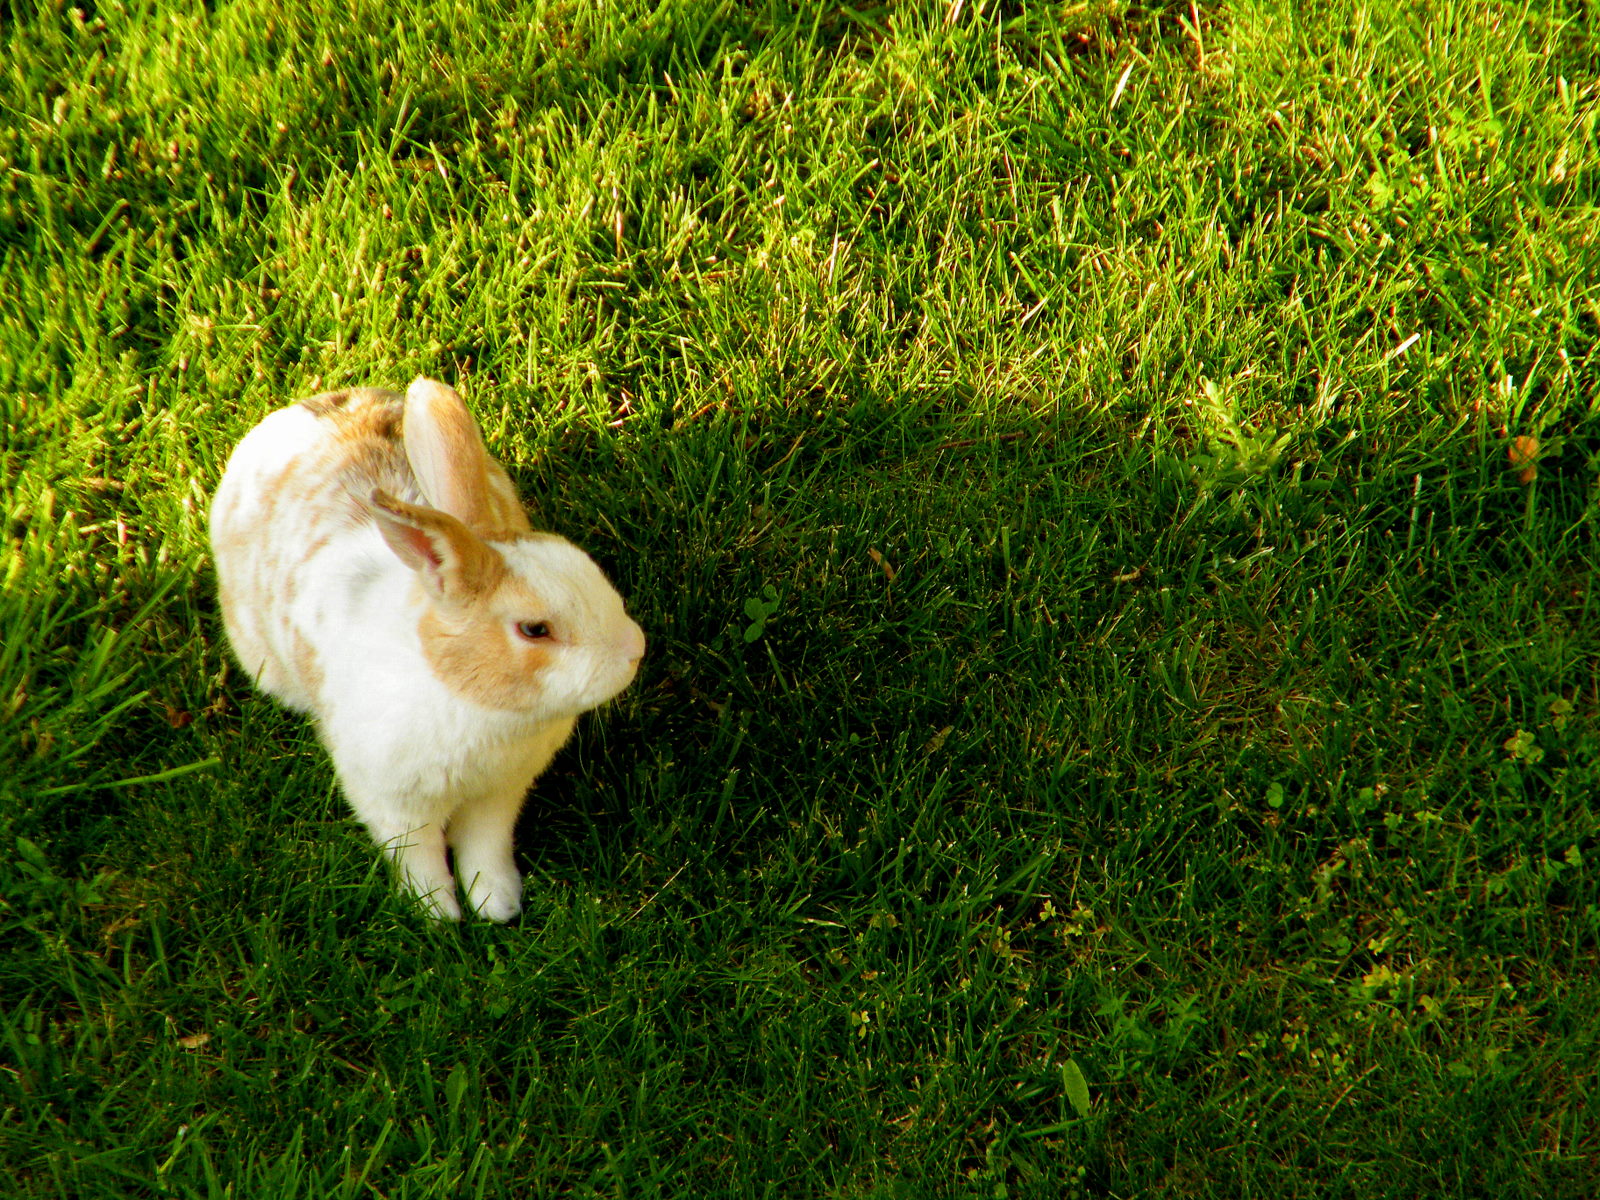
(309, 581)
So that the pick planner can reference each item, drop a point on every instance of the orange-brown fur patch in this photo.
(324, 403)
(365, 449)
(505, 518)
(307, 667)
(478, 660)
(482, 569)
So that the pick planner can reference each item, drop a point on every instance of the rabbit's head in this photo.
(516, 620)
(526, 625)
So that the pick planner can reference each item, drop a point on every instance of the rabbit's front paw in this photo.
(440, 903)
(495, 896)
(418, 854)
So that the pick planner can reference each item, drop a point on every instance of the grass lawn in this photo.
(1112, 493)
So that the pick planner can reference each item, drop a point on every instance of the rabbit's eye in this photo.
(534, 631)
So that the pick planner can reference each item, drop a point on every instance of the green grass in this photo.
(1163, 676)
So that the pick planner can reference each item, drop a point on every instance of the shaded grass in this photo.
(1258, 784)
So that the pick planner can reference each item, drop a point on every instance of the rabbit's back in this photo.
(290, 505)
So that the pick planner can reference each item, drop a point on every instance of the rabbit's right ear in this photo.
(453, 562)
(452, 465)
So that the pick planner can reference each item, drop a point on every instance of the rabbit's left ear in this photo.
(454, 563)
(452, 465)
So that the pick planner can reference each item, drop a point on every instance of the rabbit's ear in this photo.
(455, 565)
(452, 465)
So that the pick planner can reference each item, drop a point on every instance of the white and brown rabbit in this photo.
(378, 573)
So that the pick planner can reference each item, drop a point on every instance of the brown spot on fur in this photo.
(326, 402)
(477, 659)
(365, 450)
(476, 653)
(307, 667)
(504, 518)
(351, 400)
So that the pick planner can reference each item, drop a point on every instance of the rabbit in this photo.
(378, 573)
